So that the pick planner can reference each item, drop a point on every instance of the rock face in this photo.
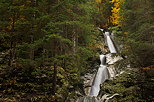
(105, 98)
(111, 61)
(89, 99)
(88, 79)
(105, 71)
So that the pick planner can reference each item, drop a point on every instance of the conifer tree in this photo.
(46, 44)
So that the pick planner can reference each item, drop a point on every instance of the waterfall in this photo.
(103, 72)
(103, 60)
(101, 76)
(110, 43)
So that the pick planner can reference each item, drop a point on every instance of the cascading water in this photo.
(103, 73)
(103, 60)
(101, 76)
(110, 43)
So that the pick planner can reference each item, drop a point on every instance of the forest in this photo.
(47, 46)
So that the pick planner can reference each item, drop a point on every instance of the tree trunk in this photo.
(54, 80)
(12, 49)
(31, 55)
(10, 55)
(54, 84)
(74, 40)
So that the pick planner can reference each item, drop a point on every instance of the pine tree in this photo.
(47, 44)
(137, 28)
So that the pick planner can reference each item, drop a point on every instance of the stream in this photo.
(106, 71)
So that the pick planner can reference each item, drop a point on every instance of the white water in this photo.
(101, 76)
(103, 73)
(103, 60)
(110, 43)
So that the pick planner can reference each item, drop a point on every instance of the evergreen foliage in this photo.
(136, 36)
(45, 48)
(47, 45)
(138, 29)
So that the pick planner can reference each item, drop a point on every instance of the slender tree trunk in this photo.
(74, 44)
(10, 55)
(31, 55)
(32, 35)
(12, 49)
(12, 52)
(54, 80)
(55, 69)
(74, 40)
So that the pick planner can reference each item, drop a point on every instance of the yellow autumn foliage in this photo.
(115, 17)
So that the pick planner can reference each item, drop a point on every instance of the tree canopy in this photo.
(47, 45)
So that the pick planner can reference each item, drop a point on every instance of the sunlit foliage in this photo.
(115, 17)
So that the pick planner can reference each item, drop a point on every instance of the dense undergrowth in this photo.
(130, 86)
